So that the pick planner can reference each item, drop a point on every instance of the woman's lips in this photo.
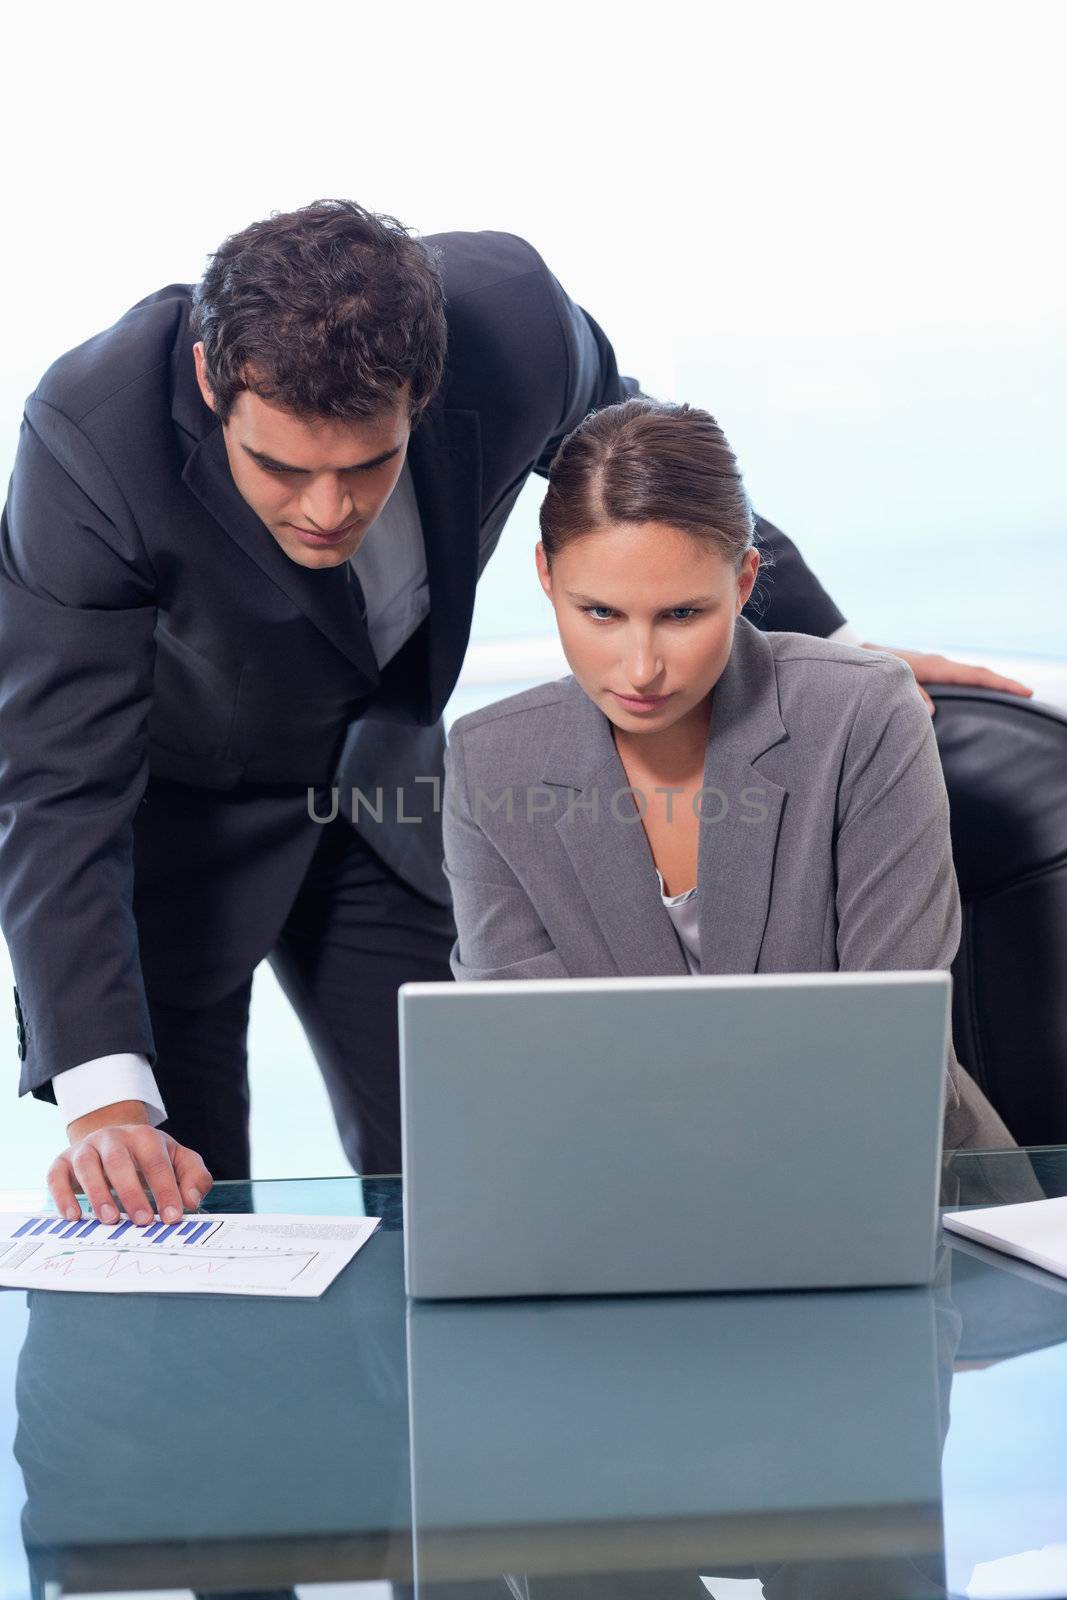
(636, 703)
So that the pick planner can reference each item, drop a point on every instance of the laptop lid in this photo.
(620, 1135)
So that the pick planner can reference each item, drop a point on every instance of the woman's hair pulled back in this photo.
(648, 461)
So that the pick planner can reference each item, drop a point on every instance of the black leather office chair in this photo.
(1005, 763)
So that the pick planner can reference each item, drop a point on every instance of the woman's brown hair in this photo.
(648, 461)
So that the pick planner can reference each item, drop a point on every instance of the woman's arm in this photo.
(499, 932)
(898, 905)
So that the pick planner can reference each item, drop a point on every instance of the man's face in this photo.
(317, 486)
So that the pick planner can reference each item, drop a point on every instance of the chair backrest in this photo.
(1005, 764)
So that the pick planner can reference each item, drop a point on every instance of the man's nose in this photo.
(327, 504)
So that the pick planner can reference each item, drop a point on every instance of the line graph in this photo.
(255, 1271)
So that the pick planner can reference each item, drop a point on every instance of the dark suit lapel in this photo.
(611, 857)
(445, 459)
(735, 864)
(326, 597)
(444, 454)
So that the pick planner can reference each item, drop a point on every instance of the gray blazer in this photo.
(824, 840)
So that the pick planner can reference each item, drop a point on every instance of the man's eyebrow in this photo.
(274, 465)
(675, 605)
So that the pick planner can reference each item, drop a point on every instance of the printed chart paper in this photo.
(291, 1257)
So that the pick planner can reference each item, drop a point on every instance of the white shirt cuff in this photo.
(846, 634)
(104, 1081)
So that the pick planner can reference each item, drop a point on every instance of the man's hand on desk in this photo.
(116, 1148)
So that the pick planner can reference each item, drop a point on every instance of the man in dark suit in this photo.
(237, 572)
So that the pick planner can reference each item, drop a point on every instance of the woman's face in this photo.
(646, 617)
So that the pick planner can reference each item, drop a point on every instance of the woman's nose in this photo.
(644, 665)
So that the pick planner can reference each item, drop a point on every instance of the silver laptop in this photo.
(643, 1135)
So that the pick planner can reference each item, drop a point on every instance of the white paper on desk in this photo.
(1034, 1231)
(281, 1256)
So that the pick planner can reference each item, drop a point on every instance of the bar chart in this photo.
(220, 1254)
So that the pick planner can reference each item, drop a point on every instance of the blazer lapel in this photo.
(611, 857)
(735, 862)
(326, 597)
(444, 454)
(445, 459)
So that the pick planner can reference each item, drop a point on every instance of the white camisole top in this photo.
(682, 910)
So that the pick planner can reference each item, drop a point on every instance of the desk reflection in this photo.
(594, 1448)
(184, 1442)
(560, 1450)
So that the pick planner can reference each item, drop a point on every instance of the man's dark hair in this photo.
(325, 311)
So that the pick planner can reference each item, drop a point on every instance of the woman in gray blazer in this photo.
(697, 796)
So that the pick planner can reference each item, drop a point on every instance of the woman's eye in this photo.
(675, 614)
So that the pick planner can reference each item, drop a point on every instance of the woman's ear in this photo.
(543, 572)
(746, 578)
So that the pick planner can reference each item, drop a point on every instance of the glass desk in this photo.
(896, 1443)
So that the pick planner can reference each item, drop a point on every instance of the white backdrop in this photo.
(838, 226)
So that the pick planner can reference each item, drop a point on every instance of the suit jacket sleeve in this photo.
(77, 619)
(897, 901)
(898, 905)
(591, 379)
(494, 915)
(789, 597)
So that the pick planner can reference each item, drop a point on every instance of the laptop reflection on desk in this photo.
(679, 1435)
